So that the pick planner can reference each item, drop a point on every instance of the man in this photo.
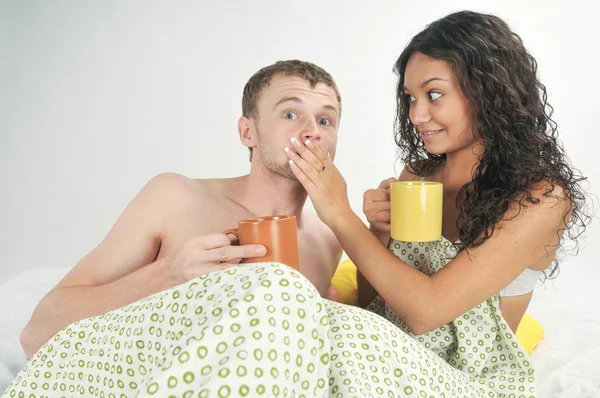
(170, 232)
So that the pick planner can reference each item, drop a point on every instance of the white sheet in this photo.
(18, 298)
(567, 360)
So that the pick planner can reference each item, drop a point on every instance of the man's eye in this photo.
(290, 115)
(324, 122)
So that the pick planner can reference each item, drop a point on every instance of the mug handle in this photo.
(234, 232)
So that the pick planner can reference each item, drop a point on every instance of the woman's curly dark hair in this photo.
(511, 116)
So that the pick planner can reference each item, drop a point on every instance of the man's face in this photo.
(289, 107)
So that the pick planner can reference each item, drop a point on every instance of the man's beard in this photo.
(271, 161)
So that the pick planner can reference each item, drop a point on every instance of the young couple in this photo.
(162, 307)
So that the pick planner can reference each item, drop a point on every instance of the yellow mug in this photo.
(416, 210)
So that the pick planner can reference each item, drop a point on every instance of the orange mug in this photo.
(278, 234)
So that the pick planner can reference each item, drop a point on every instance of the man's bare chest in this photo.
(196, 221)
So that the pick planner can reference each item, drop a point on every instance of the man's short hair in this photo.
(308, 71)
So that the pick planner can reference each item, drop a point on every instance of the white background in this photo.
(97, 97)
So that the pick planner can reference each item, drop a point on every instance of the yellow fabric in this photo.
(529, 333)
(344, 281)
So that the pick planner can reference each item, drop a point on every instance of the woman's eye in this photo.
(433, 95)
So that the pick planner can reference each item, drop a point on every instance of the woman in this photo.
(471, 115)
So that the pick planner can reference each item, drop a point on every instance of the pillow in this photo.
(344, 281)
(529, 332)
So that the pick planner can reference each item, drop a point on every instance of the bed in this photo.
(567, 359)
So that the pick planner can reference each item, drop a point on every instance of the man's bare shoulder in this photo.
(173, 186)
(170, 180)
(178, 198)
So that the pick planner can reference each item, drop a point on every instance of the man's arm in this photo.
(121, 270)
(124, 267)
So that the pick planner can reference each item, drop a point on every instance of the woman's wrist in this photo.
(344, 221)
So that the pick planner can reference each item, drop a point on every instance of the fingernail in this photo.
(308, 144)
(261, 251)
(295, 143)
(289, 151)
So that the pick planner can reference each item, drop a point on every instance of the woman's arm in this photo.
(425, 302)
(366, 292)
(376, 207)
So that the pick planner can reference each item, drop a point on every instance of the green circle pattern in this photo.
(262, 330)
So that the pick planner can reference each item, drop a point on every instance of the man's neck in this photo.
(264, 194)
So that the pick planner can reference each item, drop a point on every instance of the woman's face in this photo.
(438, 108)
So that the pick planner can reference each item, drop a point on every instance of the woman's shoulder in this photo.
(408, 175)
(547, 193)
(546, 200)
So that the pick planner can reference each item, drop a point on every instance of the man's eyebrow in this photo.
(431, 79)
(286, 99)
(298, 100)
(330, 107)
